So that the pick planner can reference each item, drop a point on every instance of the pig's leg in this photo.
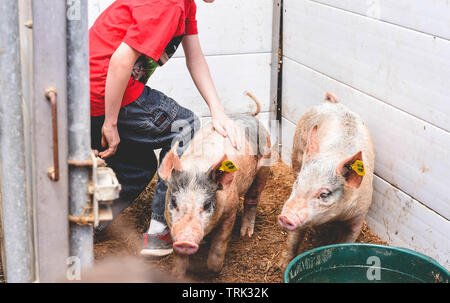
(180, 265)
(251, 201)
(354, 228)
(293, 241)
(219, 243)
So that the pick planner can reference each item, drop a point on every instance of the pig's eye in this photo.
(173, 203)
(207, 205)
(325, 194)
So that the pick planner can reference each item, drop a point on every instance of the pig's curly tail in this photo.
(258, 105)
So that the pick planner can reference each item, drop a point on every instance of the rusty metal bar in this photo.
(87, 163)
(51, 95)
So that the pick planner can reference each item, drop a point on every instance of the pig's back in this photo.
(344, 129)
(207, 147)
(341, 131)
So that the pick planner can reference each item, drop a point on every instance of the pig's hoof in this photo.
(282, 263)
(215, 266)
(246, 230)
(247, 227)
(179, 274)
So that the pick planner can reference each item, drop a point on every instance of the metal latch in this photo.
(104, 188)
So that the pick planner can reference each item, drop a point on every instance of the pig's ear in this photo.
(170, 162)
(222, 178)
(312, 146)
(344, 169)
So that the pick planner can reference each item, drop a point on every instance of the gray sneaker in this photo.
(157, 245)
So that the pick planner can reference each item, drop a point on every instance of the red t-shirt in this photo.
(154, 28)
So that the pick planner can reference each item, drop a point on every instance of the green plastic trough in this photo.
(364, 263)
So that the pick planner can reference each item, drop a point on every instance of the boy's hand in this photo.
(110, 138)
(227, 128)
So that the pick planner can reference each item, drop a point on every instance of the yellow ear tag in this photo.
(228, 166)
(358, 167)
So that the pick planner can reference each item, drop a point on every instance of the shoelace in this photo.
(166, 238)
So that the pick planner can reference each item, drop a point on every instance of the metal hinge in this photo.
(103, 189)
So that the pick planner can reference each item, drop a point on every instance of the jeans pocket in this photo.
(159, 111)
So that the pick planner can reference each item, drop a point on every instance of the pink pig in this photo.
(202, 197)
(330, 142)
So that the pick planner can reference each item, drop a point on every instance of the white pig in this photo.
(330, 146)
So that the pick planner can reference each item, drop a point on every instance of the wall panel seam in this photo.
(380, 20)
(370, 95)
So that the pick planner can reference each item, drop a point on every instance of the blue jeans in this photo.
(153, 121)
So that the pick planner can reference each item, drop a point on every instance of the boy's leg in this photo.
(182, 129)
(134, 164)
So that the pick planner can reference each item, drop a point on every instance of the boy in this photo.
(129, 119)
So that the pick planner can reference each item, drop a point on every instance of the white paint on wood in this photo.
(409, 152)
(234, 26)
(95, 8)
(401, 67)
(232, 75)
(402, 221)
(431, 16)
(394, 216)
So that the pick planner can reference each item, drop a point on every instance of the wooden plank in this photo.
(394, 216)
(403, 221)
(431, 17)
(225, 27)
(234, 26)
(401, 67)
(95, 8)
(232, 75)
(409, 152)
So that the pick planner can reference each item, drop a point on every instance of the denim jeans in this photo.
(153, 121)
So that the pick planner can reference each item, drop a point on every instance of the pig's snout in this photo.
(286, 222)
(291, 220)
(185, 247)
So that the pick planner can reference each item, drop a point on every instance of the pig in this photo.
(329, 189)
(202, 198)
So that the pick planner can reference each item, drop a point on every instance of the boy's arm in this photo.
(199, 70)
(119, 71)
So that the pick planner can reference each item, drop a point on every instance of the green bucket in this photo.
(364, 263)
